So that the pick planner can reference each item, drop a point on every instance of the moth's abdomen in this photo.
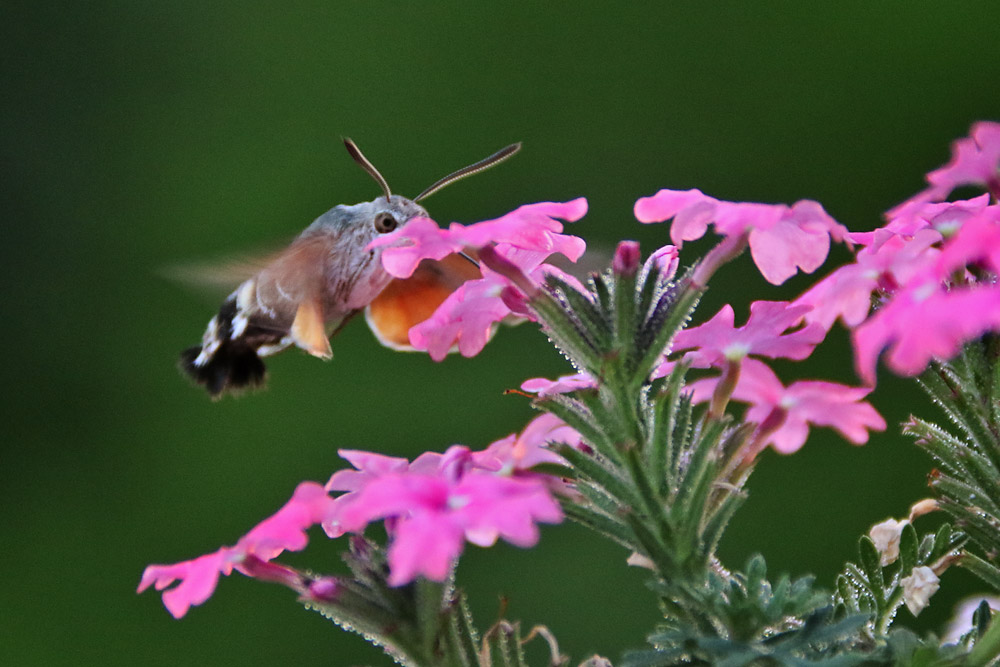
(229, 357)
(232, 367)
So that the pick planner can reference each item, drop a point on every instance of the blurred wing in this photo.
(408, 302)
(289, 293)
(217, 278)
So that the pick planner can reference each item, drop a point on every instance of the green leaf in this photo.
(602, 474)
(587, 312)
(600, 523)
(870, 565)
(576, 415)
(908, 548)
(986, 571)
(664, 326)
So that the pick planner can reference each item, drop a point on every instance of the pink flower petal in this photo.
(803, 404)
(782, 239)
(922, 323)
(285, 529)
(764, 334)
(561, 385)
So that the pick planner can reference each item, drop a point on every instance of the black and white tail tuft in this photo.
(229, 357)
(232, 367)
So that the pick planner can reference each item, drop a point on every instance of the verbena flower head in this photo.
(947, 296)
(439, 501)
(434, 514)
(782, 239)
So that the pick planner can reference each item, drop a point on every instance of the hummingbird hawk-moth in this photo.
(310, 290)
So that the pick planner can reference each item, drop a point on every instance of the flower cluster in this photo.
(430, 506)
(932, 269)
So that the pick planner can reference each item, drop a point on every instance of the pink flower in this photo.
(782, 239)
(889, 260)
(285, 530)
(801, 404)
(909, 218)
(523, 451)
(368, 466)
(975, 241)
(466, 320)
(718, 341)
(974, 161)
(434, 515)
(939, 305)
(922, 323)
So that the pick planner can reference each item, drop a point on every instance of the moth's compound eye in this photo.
(385, 223)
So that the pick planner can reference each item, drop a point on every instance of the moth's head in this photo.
(391, 211)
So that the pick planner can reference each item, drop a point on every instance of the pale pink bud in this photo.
(925, 506)
(636, 559)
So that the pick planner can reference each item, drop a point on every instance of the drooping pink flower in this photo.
(563, 384)
(801, 405)
(974, 161)
(524, 238)
(764, 334)
(433, 516)
(782, 239)
(284, 530)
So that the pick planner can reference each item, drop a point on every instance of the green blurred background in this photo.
(138, 136)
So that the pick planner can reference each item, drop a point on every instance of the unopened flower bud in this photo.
(324, 589)
(666, 260)
(925, 506)
(886, 536)
(918, 588)
(626, 259)
(636, 559)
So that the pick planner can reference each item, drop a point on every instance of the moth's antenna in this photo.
(482, 165)
(360, 158)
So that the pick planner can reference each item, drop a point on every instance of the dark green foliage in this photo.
(966, 482)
